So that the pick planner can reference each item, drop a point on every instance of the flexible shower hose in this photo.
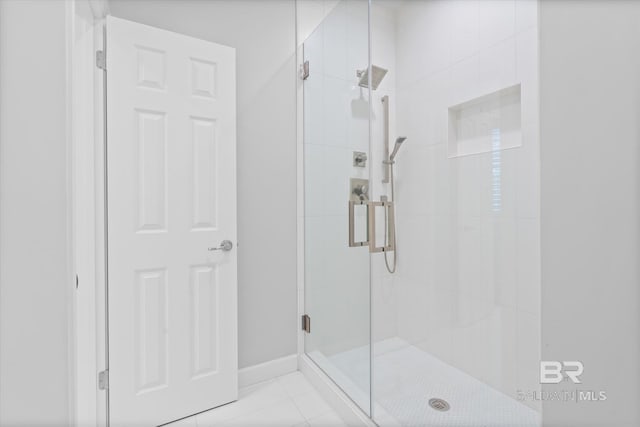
(386, 231)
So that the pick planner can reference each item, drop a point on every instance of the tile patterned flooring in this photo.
(289, 400)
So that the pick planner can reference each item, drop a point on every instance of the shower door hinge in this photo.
(103, 380)
(304, 70)
(306, 323)
(101, 61)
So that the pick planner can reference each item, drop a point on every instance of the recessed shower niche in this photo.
(487, 123)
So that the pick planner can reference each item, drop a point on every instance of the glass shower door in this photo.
(336, 172)
(456, 327)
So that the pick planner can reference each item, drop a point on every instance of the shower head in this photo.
(377, 75)
(396, 147)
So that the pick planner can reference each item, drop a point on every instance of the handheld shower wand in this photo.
(389, 163)
(396, 147)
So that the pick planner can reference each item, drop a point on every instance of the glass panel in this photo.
(336, 169)
(459, 320)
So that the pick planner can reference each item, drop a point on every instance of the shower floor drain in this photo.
(439, 404)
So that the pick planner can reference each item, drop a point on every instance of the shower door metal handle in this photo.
(371, 225)
(352, 223)
(390, 217)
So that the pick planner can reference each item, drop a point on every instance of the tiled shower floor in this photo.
(407, 377)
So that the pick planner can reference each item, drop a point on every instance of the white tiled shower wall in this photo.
(468, 282)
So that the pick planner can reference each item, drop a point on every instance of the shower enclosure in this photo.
(452, 337)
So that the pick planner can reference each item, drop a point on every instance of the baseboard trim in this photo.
(267, 370)
(333, 395)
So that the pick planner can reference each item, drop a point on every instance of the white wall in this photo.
(34, 285)
(263, 33)
(590, 107)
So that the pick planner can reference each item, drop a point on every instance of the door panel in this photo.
(172, 198)
(336, 130)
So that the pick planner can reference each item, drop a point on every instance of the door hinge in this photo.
(101, 60)
(306, 323)
(77, 281)
(304, 70)
(103, 380)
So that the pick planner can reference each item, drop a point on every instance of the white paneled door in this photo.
(171, 202)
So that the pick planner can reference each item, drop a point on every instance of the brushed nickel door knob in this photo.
(225, 246)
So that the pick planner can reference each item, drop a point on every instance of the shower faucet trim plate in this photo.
(358, 189)
(359, 159)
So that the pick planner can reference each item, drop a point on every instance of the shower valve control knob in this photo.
(225, 246)
(361, 190)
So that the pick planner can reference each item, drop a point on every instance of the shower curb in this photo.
(332, 394)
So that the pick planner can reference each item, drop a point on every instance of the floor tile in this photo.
(295, 384)
(311, 405)
(287, 401)
(186, 422)
(250, 400)
(330, 419)
(283, 414)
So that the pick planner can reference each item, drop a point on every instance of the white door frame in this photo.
(85, 207)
